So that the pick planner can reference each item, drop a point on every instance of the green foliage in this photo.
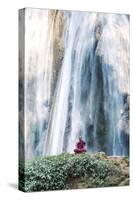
(126, 159)
(57, 172)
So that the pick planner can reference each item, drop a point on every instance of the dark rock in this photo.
(46, 103)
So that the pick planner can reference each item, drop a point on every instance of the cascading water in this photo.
(113, 46)
(92, 84)
(38, 80)
(87, 61)
(55, 141)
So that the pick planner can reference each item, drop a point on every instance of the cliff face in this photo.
(56, 21)
(123, 123)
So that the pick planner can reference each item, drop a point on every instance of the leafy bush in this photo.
(56, 172)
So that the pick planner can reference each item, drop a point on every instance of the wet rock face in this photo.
(57, 21)
(125, 115)
(98, 31)
(124, 124)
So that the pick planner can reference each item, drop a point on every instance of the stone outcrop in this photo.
(56, 22)
(124, 123)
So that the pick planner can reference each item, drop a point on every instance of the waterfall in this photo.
(38, 78)
(80, 76)
(114, 49)
(56, 131)
(91, 86)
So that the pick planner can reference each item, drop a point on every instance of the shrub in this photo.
(56, 172)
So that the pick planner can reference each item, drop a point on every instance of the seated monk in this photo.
(80, 146)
